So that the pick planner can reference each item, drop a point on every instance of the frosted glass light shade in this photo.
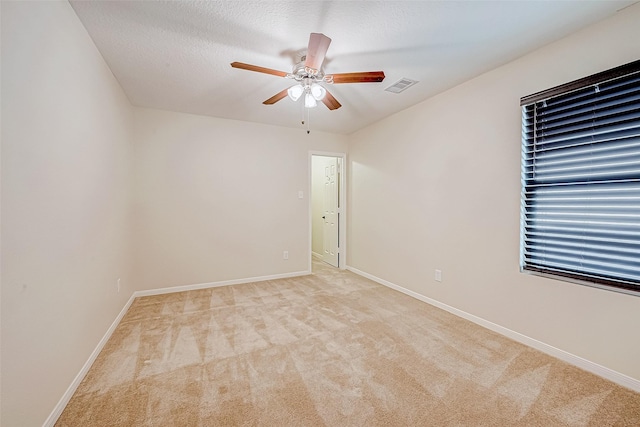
(294, 92)
(318, 92)
(309, 101)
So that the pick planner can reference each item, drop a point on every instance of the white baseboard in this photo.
(66, 397)
(62, 403)
(316, 255)
(578, 361)
(184, 288)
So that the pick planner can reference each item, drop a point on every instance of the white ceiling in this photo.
(175, 55)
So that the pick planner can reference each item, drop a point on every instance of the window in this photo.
(580, 216)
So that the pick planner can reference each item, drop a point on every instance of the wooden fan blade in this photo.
(317, 49)
(331, 102)
(365, 77)
(250, 67)
(277, 97)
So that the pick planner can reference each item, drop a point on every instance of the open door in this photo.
(326, 212)
(330, 213)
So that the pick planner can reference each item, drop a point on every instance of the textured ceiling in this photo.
(175, 55)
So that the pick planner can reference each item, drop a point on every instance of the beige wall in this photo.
(443, 179)
(66, 150)
(218, 199)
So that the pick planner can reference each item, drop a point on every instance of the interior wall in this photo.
(437, 186)
(318, 165)
(217, 199)
(66, 174)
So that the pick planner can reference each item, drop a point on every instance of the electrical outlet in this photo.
(438, 276)
(285, 255)
(118, 285)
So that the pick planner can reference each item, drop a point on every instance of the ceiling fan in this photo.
(308, 74)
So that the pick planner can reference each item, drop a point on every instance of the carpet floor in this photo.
(328, 349)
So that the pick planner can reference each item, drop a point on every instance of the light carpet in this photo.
(328, 349)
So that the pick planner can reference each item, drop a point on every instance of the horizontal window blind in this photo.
(580, 212)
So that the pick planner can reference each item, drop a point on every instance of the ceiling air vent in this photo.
(401, 85)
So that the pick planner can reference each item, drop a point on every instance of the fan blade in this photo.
(331, 102)
(318, 45)
(250, 67)
(277, 97)
(365, 77)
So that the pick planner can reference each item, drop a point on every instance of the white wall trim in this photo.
(570, 358)
(316, 255)
(66, 397)
(184, 288)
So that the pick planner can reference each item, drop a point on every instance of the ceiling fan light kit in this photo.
(294, 92)
(309, 101)
(309, 74)
(313, 92)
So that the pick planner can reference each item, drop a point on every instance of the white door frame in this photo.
(342, 222)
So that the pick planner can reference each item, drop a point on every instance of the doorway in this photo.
(327, 208)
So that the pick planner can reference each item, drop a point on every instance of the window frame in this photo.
(529, 100)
